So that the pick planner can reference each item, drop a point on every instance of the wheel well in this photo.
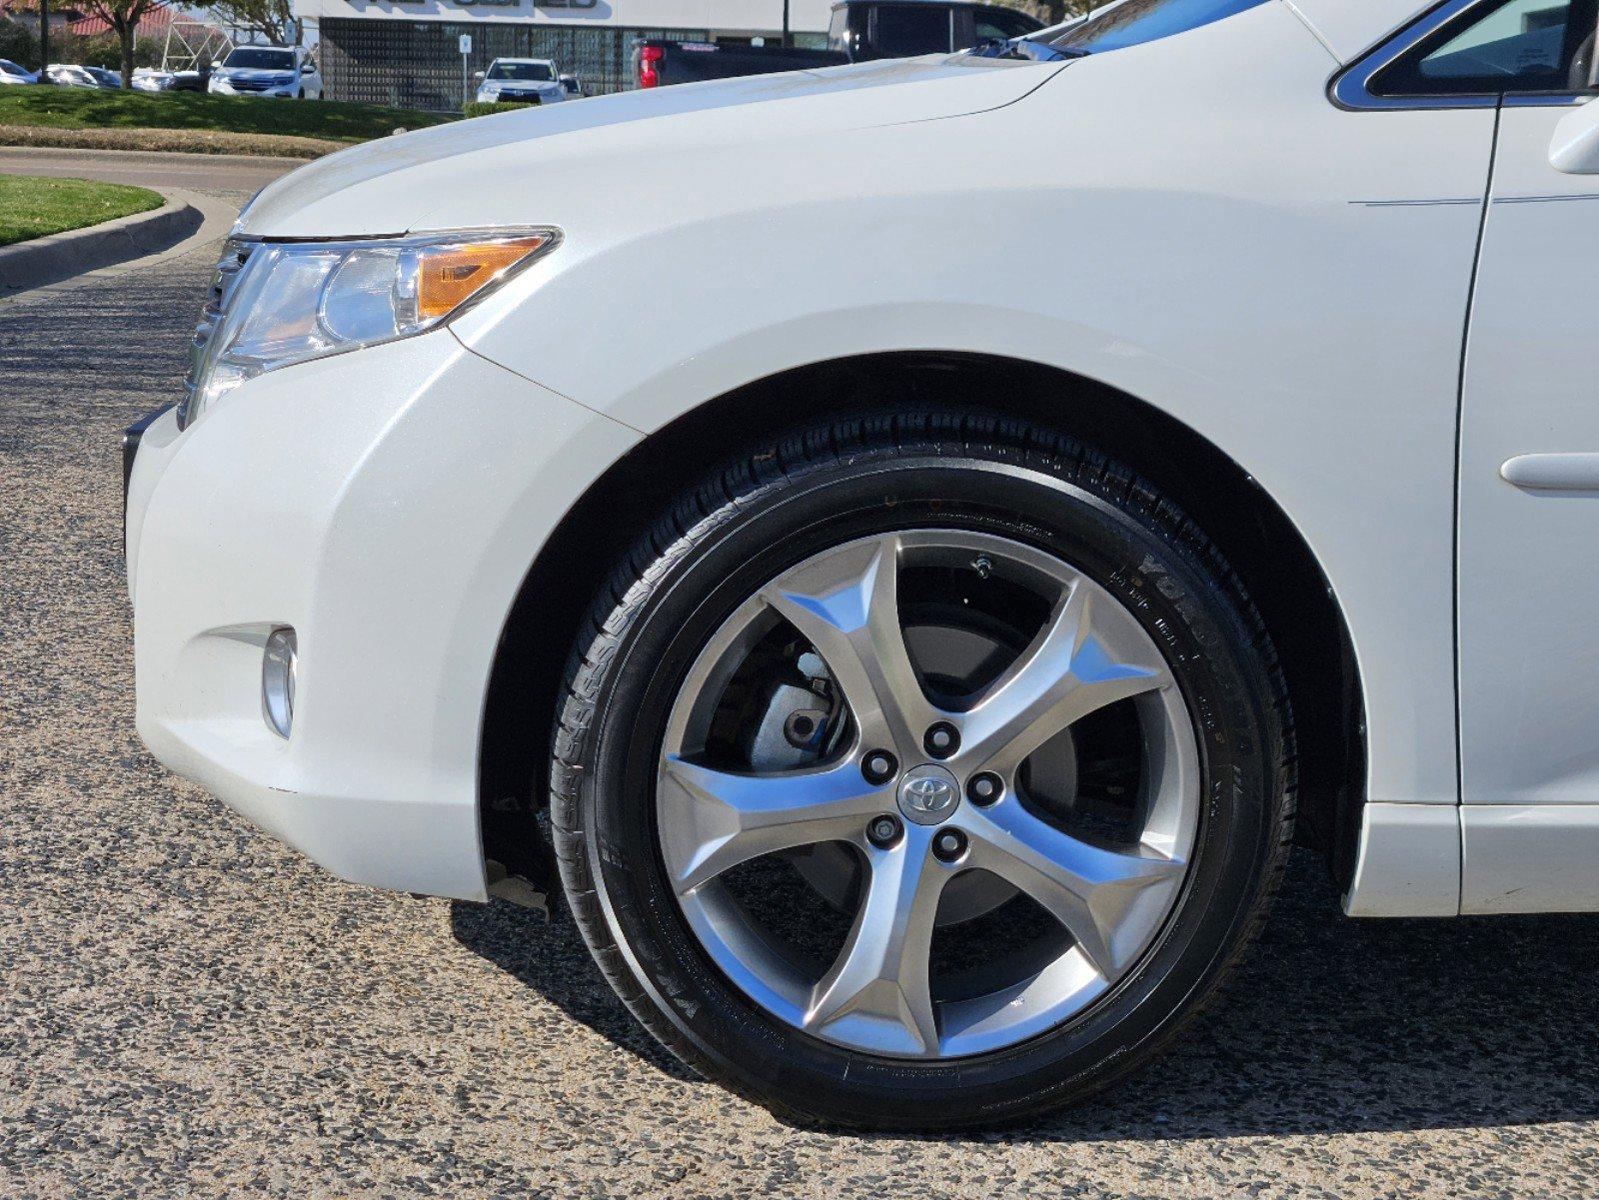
(1274, 562)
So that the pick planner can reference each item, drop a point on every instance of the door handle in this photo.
(1553, 472)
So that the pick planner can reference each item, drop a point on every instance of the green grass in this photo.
(75, 108)
(31, 207)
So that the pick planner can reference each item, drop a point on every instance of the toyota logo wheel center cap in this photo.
(928, 794)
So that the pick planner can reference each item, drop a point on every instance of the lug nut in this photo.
(879, 766)
(883, 831)
(942, 740)
(949, 845)
(985, 788)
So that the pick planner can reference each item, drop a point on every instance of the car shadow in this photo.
(550, 957)
(1330, 1026)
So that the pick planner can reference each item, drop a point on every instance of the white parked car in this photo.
(152, 79)
(282, 71)
(70, 75)
(521, 80)
(930, 533)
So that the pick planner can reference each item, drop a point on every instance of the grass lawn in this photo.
(31, 207)
(83, 108)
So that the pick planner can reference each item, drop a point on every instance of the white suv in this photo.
(914, 542)
(283, 71)
(521, 80)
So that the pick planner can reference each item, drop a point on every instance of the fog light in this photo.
(278, 667)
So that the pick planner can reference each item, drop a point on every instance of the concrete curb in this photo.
(63, 255)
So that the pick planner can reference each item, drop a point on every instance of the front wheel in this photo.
(928, 771)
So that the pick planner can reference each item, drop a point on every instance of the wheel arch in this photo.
(1277, 566)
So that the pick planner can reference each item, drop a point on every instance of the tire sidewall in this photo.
(1124, 542)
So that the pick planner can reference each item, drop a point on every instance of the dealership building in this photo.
(407, 52)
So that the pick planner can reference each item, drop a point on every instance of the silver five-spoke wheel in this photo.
(933, 729)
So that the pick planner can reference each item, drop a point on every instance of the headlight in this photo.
(294, 301)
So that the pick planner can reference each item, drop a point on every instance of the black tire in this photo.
(826, 485)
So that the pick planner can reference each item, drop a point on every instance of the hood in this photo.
(438, 178)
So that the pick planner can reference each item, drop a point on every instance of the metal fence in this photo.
(417, 64)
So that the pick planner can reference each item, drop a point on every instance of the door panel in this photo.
(1528, 581)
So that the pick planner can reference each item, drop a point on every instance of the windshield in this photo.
(531, 72)
(261, 60)
(1131, 22)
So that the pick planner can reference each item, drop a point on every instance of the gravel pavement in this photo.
(189, 1009)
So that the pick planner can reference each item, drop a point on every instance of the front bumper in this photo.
(385, 504)
(486, 97)
(281, 91)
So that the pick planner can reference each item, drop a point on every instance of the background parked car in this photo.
(104, 78)
(70, 75)
(267, 71)
(860, 30)
(573, 86)
(152, 79)
(521, 81)
(11, 72)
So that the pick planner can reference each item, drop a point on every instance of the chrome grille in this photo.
(223, 280)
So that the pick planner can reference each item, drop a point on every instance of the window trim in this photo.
(1350, 88)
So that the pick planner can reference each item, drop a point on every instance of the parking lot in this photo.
(188, 1008)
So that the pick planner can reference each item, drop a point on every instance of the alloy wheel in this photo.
(934, 730)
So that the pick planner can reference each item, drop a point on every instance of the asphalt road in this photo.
(188, 1008)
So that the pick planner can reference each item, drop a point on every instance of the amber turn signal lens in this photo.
(449, 275)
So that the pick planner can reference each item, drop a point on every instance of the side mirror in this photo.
(1574, 149)
(215, 65)
(477, 76)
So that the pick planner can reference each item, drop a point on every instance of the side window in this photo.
(905, 30)
(1001, 26)
(1513, 46)
(838, 30)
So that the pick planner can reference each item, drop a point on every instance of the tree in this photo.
(123, 16)
(17, 42)
(41, 9)
(262, 19)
